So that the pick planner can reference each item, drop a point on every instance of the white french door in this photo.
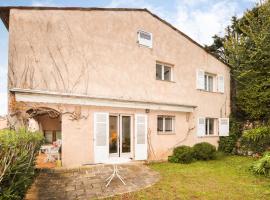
(120, 135)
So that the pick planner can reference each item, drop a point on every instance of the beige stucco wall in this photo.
(3, 122)
(96, 53)
(49, 124)
(78, 135)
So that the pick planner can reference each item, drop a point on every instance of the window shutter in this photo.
(223, 126)
(201, 127)
(140, 137)
(101, 137)
(221, 83)
(200, 79)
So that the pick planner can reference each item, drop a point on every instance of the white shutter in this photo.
(201, 127)
(200, 79)
(220, 83)
(223, 126)
(140, 137)
(101, 137)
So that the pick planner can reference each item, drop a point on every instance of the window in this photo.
(209, 82)
(52, 136)
(165, 124)
(145, 38)
(209, 126)
(48, 136)
(163, 72)
(158, 72)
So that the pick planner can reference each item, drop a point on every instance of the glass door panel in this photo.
(48, 137)
(126, 132)
(113, 135)
(58, 135)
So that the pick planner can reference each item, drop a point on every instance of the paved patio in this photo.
(89, 182)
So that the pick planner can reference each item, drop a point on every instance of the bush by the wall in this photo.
(262, 166)
(18, 151)
(227, 144)
(204, 151)
(182, 154)
(256, 140)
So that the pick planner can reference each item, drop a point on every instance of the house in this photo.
(113, 82)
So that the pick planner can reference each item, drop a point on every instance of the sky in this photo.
(199, 19)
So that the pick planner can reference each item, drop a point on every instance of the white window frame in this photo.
(164, 126)
(162, 71)
(207, 122)
(206, 81)
(143, 41)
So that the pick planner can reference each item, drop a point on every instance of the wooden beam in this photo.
(4, 15)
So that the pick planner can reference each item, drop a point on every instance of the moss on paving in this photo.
(225, 178)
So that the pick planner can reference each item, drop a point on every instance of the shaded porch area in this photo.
(49, 122)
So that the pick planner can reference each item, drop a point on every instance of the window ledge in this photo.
(165, 133)
(210, 92)
(208, 136)
(165, 81)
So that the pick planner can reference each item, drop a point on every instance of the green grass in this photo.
(225, 178)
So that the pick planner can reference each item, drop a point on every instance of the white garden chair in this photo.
(52, 152)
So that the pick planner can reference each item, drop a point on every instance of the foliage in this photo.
(262, 166)
(257, 140)
(182, 154)
(246, 48)
(226, 178)
(228, 144)
(18, 151)
(186, 154)
(204, 151)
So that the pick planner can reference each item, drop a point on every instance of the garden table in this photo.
(115, 162)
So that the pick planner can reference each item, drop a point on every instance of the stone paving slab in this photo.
(89, 182)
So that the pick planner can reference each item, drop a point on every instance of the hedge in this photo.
(186, 154)
(182, 154)
(18, 151)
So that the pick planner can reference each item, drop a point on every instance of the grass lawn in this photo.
(226, 178)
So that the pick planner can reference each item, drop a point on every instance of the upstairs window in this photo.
(145, 38)
(165, 124)
(208, 82)
(163, 72)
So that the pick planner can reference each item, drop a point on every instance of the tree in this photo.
(246, 48)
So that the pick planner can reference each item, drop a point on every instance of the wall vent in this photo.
(145, 38)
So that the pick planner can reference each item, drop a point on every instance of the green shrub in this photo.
(182, 154)
(18, 151)
(262, 166)
(227, 144)
(256, 140)
(204, 151)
